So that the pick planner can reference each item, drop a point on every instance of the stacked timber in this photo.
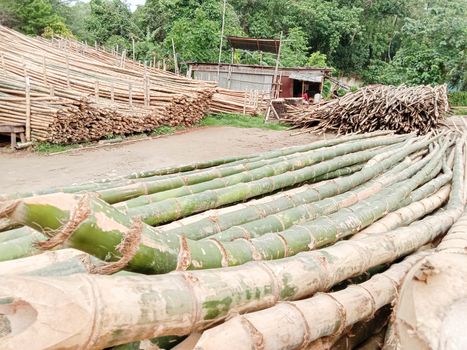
(304, 247)
(223, 100)
(402, 109)
(239, 102)
(74, 97)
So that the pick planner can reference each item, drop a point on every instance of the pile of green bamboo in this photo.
(299, 248)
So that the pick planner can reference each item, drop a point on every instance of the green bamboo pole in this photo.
(265, 155)
(284, 219)
(175, 208)
(15, 233)
(214, 222)
(21, 246)
(150, 192)
(175, 307)
(296, 325)
(188, 168)
(407, 214)
(97, 228)
(61, 262)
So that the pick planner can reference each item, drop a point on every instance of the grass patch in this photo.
(47, 147)
(163, 130)
(240, 121)
(460, 110)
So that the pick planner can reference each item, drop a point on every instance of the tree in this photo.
(36, 17)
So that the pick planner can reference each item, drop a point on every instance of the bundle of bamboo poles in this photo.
(239, 102)
(248, 241)
(402, 109)
(65, 96)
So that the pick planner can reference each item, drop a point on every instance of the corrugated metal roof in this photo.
(307, 76)
(254, 44)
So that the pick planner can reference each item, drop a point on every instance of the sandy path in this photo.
(24, 171)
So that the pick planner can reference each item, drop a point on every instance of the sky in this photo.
(134, 3)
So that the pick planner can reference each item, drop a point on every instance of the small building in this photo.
(292, 82)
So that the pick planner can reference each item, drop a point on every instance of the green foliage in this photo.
(317, 59)
(48, 148)
(433, 48)
(163, 130)
(35, 17)
(240, 121)
(384, 41)
(458, 98)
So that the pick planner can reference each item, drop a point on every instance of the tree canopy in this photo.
(382, 41)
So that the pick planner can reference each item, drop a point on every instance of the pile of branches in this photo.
(402, 109)
(260, 250)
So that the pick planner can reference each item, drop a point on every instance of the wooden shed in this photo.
(292, 82)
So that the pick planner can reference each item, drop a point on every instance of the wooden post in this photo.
(189, 72)
(145, 82)
(52, 91)
(67, 71)
(96, 90)
(276, 69)
(164, 65)
(175, 57)
(112, 92)
(130, 94)
(44, 70)
(28, 109)
(244, 102)
(222, 38)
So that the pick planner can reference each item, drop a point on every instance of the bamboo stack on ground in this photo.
(75, 95)
(75, 98)
(426, 313)
(402, 109)
(332, 190)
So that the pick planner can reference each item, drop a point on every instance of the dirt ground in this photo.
(26, 171)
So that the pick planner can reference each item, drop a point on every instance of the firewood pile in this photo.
(402, 109)
(76, 96)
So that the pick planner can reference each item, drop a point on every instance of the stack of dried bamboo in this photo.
(239, 102)
(69, 96)
(403, 109)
